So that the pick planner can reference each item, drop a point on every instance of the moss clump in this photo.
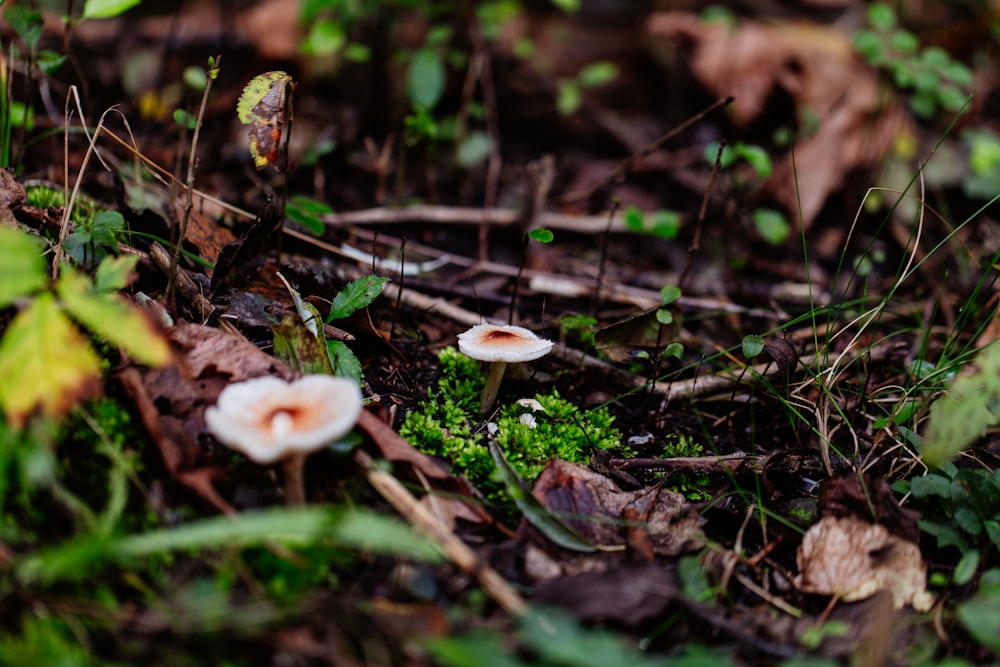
(446, 424)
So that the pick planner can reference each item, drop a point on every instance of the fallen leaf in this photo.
(816, 66)
(854, 559)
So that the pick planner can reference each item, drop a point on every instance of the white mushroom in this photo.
(500, 345)
(269, 420)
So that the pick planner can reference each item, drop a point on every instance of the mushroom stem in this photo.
(295, 488)
(492, 386)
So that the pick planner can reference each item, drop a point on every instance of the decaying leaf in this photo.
(854, 559)
(264, 105)
(817, 67)
(604, 514)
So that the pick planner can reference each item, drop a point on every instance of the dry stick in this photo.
(481, 58)
(213, 70)
(459, 215)
(696, 237)
(602, 263)
(699, 386)
(626, 165)
(402, 279)
(457, 551)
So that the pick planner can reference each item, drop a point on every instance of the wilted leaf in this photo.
(45, 363)
(110, 317)
(962, 415)
(854, 559)
(22, 268)
(547, 523)
(300, 348)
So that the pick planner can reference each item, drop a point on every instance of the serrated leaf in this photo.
(109, 316)
(356, 295)
(425, 79)
(345, 363)
(963, 414)
(22, 268)
(45, 363)
(106, 9)
(534, 512)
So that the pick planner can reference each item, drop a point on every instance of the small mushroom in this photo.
(500, 345)
(269, 420)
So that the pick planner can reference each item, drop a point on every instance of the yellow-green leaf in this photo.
(45, 363)
(110, 317)
(22, 269)
(961, 416)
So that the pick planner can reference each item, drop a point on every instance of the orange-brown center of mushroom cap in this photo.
(502, 335)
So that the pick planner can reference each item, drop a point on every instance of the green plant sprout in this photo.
(771, 224)
(570, 90)
(936, 80)
(531, 431)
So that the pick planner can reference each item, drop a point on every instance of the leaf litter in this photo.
(862, 550)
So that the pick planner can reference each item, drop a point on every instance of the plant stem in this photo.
(295, 488)
(492, 386)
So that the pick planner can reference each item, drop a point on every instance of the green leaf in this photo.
(675, 350)
(569, 96)
(981, 617)
(634, 219)
(963, 414)
(111, 317)
(22, 267)
(771, 225)
(669, 294)
(344, 362)
(597, 74)
(425, 79)
(356, 295)
(50, 61)
(368, 531)
(114, 273)
(474, 150)
(105, 9)
(548, 524)
(966, 568)
(753, 345)
(664, 316)
(541, 235)
(308, 213)
(881, 16)
(758, 158)
(666, 224)
(26, 22)
(45, 363)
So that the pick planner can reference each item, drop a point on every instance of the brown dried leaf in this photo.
(814, 65)
(853, 560)
(593, 506)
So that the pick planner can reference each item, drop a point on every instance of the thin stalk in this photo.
(295, 487)
(213, 71)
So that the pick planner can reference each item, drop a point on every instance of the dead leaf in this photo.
(853, 560)
(11, 197)
(628, 595)
(870, 499)
(817, 67)
(595, 507)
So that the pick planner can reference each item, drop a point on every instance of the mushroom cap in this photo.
(268, 419)
(492, 342)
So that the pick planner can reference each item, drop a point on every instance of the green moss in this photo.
(693, 486)
(447, 425)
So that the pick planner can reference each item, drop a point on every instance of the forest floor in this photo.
(759, 240)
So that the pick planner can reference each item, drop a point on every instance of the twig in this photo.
(626, 165)
(213, 69)
(457, 551)
(696, 237)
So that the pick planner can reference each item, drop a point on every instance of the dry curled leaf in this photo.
(853, 559)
